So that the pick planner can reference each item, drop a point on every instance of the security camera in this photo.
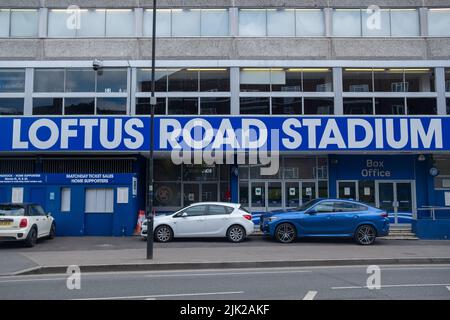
(97, 64)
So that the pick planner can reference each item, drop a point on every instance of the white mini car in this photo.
(203, 220)
(25, 222)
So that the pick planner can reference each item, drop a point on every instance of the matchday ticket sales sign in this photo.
(233, 133)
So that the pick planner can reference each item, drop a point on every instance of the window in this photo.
(309, 23)
(165, 170)
(92, 23)
(287, 105)
(111, 106)
(214, 80)
(49, 80)
(357, 80)
(439, 22)
(347, 22)
(58, 24)
(358, 106)
(390, 106)
(112, 80)
(318, 106)
(167, 194)
(287, 80)
(376, 27)
(442, 181)
(182, 106)
(144, 80)
(215, 105)
(120, 23)
(257, 105)
(4, 22)
(99, 200)
(195, 211)
(79, 106)
(390, 80)
(214, 22)
(421, 106)
(24, 23)
(65, 199)
(47, 106)
(252, 22)
(348, 207)
(254, 80)
(183, 80)
(37, 211)
(143, 106)
(11, 106)
(12, 80)
(281, 22)
(218, 210)
(185, 22)
(405, 23)
(163, 19)
(419, 80)
(299, 168)
(317, 80)
(366, 191)
(80, 80)
(447, 80)
(324, 207)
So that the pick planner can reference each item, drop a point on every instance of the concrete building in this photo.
(354, 97)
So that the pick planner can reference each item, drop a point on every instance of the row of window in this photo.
(221, 106)
(218, 80)
(216, 22)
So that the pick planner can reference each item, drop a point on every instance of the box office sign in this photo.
(304, 133)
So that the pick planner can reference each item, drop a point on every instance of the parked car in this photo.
(327, 218)
(26, 222)
(203, 220)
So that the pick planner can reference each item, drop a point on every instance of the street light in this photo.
(149, 198)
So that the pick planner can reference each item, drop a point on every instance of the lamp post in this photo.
(149, 198)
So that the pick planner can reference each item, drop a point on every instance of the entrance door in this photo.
(396, 197)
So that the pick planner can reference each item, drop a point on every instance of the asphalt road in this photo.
(397, 282)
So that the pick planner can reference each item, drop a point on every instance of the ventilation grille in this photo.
(16, 166)
(88, 166)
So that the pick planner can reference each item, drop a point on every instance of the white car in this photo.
(203, 220)
(25, 222)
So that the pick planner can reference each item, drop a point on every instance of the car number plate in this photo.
(5, 223)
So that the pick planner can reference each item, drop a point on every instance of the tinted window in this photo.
(80, 80)
(11, 106)
(111, 106)
(112, 81)
(216, 210)
(12, 80)
(47, 106)
(11, 210)
(79, 106)
(49, 80)
(324, 207)
(195, 211)
(348, 207)
(37, 211)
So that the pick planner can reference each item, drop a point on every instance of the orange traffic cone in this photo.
(141, 217)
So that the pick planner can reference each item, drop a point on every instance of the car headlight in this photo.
(272, 219)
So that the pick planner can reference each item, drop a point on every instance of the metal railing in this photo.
(435, 212)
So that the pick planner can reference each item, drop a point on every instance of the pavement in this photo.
(100, 254)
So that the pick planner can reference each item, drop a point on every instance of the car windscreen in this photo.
(11, 210)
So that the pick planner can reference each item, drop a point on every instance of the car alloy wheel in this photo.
(32, 238)
(163, 234)
(52, 233)
(365, 235)
(285, 233)
(236, 234)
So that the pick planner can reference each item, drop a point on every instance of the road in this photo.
(309, 283)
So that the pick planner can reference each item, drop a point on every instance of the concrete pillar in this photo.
(440, 90)
(234, 82)
(423, 19)
(29, 83)
(337, 87)
(139, 22)
(328, 14)
(43, 22)
(234, 22)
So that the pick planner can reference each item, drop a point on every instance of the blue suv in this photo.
(327, 218)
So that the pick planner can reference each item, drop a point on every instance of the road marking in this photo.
(223, 273)
(310, 295)
(32, 280)
(448, 288)
(395, 286)
(154, 296)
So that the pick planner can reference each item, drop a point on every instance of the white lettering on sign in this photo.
(375, 169)
(45, 134)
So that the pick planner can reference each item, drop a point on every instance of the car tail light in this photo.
(384, 214)
(248, 216)
(23, 223)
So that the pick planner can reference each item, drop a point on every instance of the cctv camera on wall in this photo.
(97, 64)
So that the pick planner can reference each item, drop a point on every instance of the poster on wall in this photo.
(447, 199)
(17, 195)
(122, 195)
(308, 191)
